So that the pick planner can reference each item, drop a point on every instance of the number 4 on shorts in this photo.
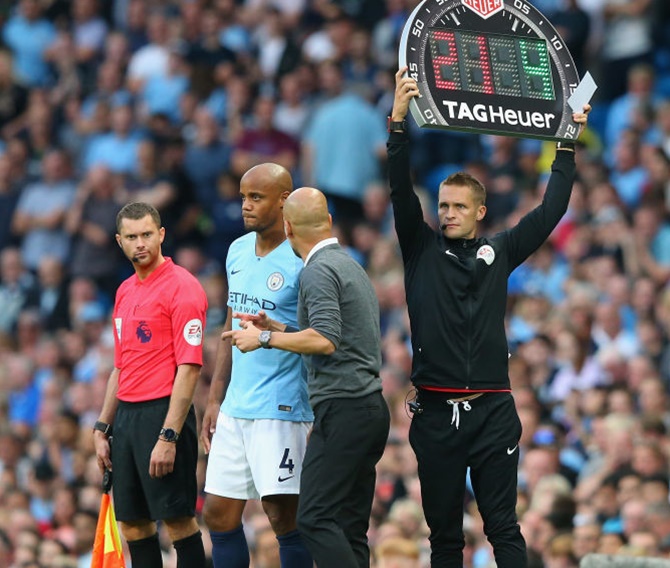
(286, 462)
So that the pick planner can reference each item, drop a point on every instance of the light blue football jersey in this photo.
(265, 383)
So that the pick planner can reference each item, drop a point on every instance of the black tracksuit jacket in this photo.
(457, 300)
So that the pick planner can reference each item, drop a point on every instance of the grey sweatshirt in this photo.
(337, 300)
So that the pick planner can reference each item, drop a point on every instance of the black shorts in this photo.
(136, 495)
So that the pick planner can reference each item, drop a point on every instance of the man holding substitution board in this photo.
(464, 413)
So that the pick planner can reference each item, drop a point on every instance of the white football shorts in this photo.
(250, 459)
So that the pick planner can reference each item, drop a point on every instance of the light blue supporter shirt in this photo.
(28, 41)
(117, 153)
(345, 164)
(265, 383)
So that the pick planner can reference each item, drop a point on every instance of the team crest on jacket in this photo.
(486, 253)
(275, 281)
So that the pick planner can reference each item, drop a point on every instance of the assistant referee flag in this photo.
(107, 550)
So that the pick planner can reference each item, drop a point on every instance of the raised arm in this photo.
(407, 211)
(536, 226)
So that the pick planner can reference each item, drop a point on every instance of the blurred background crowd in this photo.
(170, 102)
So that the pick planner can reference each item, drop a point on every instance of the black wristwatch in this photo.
(103, 427)
(565, 145)
(392, 126)
(169, 435)
(264, 339)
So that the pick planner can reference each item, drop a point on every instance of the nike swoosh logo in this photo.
(511, 451)
(450, 253)
(235, 271)
(282, 479)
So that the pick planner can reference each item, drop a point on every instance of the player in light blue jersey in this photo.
(265, 385)
(256, 438)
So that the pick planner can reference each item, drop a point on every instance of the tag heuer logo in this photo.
(485, 8)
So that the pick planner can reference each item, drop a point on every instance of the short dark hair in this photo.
(136, 211)
(466, 180)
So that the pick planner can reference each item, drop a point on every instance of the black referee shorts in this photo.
(136, 495)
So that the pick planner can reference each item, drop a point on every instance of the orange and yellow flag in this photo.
(107, 551)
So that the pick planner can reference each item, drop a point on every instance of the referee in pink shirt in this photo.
(159, 317)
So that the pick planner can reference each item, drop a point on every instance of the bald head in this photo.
(306, 219)
(307, 211)
(269, 175)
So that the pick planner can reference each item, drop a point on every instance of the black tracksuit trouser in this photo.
(338, 476)
(482, 434)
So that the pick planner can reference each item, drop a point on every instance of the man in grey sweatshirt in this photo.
(339, 338)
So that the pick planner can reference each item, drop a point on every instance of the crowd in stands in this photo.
(171, 101)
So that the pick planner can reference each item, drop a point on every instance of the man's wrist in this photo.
(264, 339)
(565, 146)
(103, 427)
(168, 435)
(396, 124)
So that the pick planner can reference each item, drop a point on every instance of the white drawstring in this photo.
(456, 413)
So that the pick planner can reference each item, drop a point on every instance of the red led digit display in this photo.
(491, 64)
(445, 60)
(475, 61)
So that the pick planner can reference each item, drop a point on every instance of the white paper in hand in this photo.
(583, 93)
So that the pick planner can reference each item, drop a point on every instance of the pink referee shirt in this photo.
(159, 324)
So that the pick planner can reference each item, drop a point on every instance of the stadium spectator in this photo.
(91, 221)
(50, 295)
(118, 149)
(343, 166)
(28, 34)
(160, 93)
(40, 213)
(15, 284)
(153, 58)
(206, 158)
(626, 41)
(262, 142)
(14, 97)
